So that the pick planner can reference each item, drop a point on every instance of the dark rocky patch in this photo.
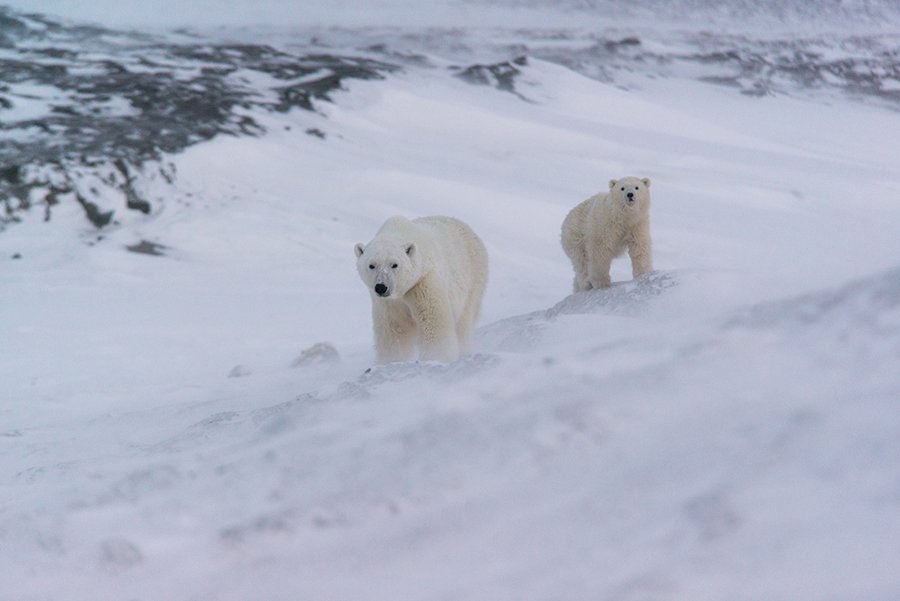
(132, 200)
(120, 102)
(145, 247)
(761, 67)
(499, 75)
(94, 214)
(104, 108)
(614, 45)
(863, 67)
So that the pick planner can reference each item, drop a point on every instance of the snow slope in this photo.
(724, 427)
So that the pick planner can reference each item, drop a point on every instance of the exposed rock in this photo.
(145, 247)
(320, 352)
(239, 371)
(110, 105)
(499, 75)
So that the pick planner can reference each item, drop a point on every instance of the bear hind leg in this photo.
(579, 260)
(465, 325)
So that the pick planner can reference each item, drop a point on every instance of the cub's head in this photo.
(632, 192)
(387, 266)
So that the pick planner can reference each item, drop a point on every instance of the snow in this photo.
(724, 427)
(768, 15)
(31, 101)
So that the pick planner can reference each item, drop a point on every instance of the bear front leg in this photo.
(395, 331)
(581, 283)
(430, 306)
(600, 263)
(437, 341)
(641, 252)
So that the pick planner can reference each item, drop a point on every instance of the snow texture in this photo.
(188, 404)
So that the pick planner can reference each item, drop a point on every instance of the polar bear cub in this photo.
(603, 226)
(426, 278)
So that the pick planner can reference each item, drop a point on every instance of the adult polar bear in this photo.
(426, 278)
(600, 229)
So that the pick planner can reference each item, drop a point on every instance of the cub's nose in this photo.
(630, 195)
(380, 289)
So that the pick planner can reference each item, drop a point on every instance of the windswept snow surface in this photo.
(725, 427)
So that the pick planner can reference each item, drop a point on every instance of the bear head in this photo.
(388, 267)
(631, 192)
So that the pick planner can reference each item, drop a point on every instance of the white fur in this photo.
(603, 226)
(431, 273)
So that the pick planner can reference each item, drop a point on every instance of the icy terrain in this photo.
(188, 407)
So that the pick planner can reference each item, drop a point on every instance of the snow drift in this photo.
(199, 418)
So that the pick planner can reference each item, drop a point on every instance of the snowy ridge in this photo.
(861, 304)
(858, 323)
(795, 13)
(88, 111)
(615, 447)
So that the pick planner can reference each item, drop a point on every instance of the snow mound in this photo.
(524, 332)
(871, 304)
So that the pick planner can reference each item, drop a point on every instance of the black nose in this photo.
(380, 289)
(630, 195)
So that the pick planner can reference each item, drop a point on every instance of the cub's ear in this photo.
(646, 181)
(612, 184)
(359, 248)
(411, 249)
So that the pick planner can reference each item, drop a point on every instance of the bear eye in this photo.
(623, 188)
(394, 266)
(371, 267)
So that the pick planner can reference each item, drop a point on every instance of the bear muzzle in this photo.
(381, 290)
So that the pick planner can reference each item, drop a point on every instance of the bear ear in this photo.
(612, 184)
(646, 181)
(360, 249)
(411, 249)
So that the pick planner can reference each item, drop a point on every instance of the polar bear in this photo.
(603, 226)
(426, 278)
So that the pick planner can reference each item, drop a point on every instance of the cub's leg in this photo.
(580, 264)
(600, 262)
